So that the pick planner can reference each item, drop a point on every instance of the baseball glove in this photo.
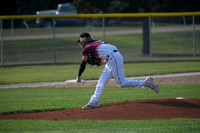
(92, 60)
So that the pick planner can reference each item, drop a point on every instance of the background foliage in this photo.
(23, 7)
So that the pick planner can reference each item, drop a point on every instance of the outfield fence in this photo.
(138, 36)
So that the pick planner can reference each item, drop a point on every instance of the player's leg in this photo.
(104, 78)
(118, 73)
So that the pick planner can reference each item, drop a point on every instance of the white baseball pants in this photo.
(114, 67)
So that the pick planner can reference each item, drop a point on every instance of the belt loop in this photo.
(107, 57)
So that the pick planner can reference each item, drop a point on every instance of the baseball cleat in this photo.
(91, 106)
(150, 83)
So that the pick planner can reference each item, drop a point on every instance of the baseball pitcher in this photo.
(97, 52)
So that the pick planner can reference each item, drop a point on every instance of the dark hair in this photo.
(85, 34)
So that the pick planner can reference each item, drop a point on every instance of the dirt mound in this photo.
(127, 110)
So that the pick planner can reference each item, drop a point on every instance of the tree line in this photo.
(28, 7)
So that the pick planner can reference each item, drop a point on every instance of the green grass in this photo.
(173, 42)
(91, 126)
(42, 99)
(40, 51)
(45, 73)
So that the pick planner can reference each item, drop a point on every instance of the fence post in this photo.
(194, 42)
(150, 49)
(12, 27)
(54, 40)
(2, 50)
(103, 24)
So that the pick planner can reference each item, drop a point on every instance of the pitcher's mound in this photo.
(128, 110)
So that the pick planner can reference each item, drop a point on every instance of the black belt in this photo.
(108, 55)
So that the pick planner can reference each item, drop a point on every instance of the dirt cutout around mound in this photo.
(165, 79)
(127, 110)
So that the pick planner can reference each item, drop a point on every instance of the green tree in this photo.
(22, 7)
(124, 6)
(91, 6)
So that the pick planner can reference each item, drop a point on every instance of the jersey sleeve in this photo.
(86, 51)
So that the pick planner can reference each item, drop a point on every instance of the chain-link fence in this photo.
(23, 42)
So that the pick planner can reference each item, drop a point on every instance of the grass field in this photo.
(91, 126)
(47, 73)
(18, 100)
(41, 99)
(41, 51)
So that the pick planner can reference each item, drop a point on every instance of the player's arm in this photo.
(81, 68)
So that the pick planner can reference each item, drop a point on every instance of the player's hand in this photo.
(78, 79)
(104, 62)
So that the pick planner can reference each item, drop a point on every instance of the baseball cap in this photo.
(84, 34)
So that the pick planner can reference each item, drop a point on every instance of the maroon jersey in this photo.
(99, 49)
(91, 49)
